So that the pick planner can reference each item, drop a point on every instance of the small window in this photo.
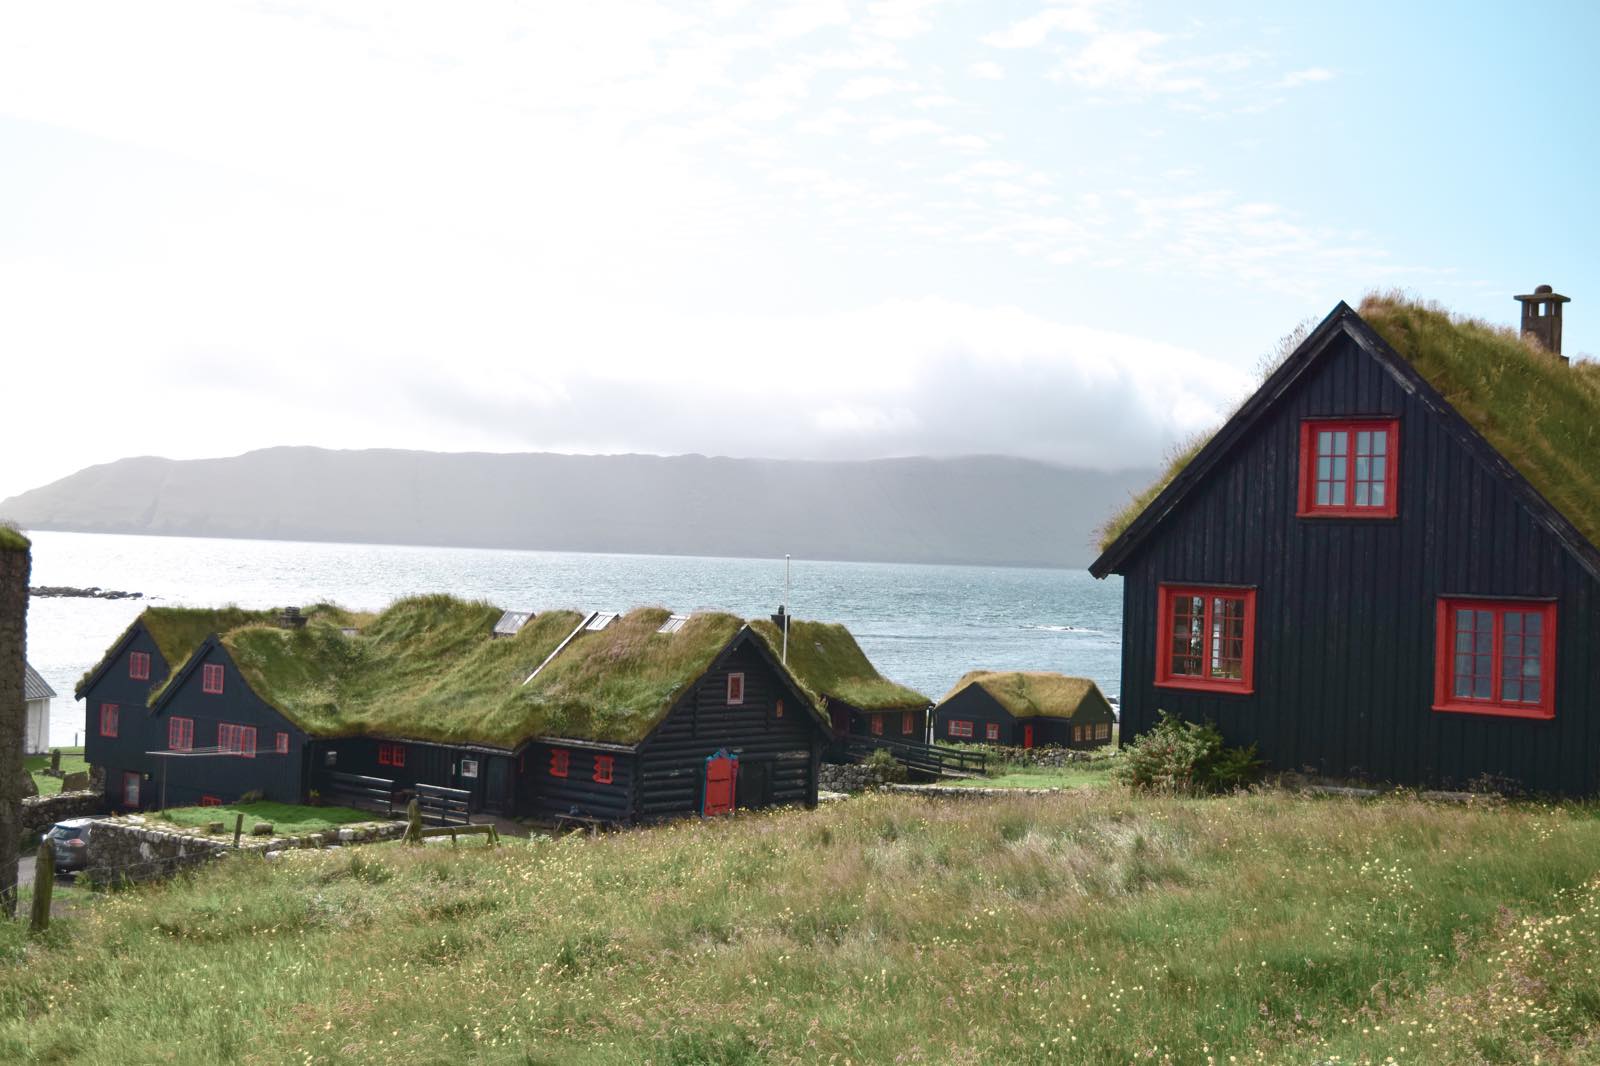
(210, 801)
(1207, 638)
(391, 754)
(330, 758)
(139, 666)
(908, 723)
(180, 734)
(960, 729)
(877, 725)
(237, 739)
(991, 731)
(108, 719)
(1077, 734)
(602, 768)
(735, 689)
(559, 757)
(777, 709)
(1496, 657)
(1348, 469)
(280, 744)
(211, 679)
(469, 767)
(1102, 731)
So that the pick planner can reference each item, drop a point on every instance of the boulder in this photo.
(261, 829)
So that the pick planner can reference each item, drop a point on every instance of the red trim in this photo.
(735, 689)
(991, 731)
(958, 728)
(280, 744)
(180, 734)
(108, 719)
(210, 801)
(877, 725)
(389, 754)
(603, 765)
(139, 665)
(908, 723)
(777, 709)
(1308, 507)
(1027, 735)
(559, 758)
(1445, 654)
(211, 679)
(237, 739)
(1168, 598)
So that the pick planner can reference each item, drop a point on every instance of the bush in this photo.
(886, 766)
(1179, 756)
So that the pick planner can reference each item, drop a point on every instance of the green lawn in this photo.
(1002, 774)
(1097, 928)
(71, 762)
(287, 819)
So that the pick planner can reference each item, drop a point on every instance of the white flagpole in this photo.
(786, 609)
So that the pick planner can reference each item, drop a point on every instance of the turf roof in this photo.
(12, 540)
(1541, 414)
(428, 668)
(828, 662)
(178, 631)
(1031, 693)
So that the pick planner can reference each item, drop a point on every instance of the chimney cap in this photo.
(1543, 294)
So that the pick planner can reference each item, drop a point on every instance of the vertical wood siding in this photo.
(1344, 656)
(136, 727)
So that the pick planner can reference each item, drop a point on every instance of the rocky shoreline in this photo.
(93, 592)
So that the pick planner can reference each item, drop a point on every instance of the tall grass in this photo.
(1095, 927)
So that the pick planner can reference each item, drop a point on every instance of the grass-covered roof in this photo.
(828, 662)
(1031, 693)
(12, 540)
(178, 631)
(1542, 414)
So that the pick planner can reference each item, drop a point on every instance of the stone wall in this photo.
(41, 812)
(135, 848)
(849, 778)
(1045, 755)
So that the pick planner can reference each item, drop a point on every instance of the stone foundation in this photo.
(135, 848)
(849, 778)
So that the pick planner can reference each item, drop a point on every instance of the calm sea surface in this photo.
(921, 625)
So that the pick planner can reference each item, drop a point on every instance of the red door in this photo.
(722, 779)
(1027, 735)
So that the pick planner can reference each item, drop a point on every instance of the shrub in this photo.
(886, 766)
(1179, 756)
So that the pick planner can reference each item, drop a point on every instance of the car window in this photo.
(67, 832)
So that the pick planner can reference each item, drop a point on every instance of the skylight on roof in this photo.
(511, 623)
(600, 620)
(673, 623)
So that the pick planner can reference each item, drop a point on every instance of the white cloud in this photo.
(873, 87)
(987, 71)
(1296, 78)
(1036, 29)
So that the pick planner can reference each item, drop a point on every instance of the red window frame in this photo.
(108, 719)
(603, 767)
(1207, 679)
(1351, 460)
(210, 801)
(280, 744)
(180, 734)
(211, 679)
(139, 666)
(777, 708)
(735, 689)
(959, 728)
(877, 725)
(1455, 650)
(991, 731)
(560, 759)
(389, 754)
(908, 723)
(237, 739)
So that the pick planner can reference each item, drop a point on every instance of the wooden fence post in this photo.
(413, 823)
(44, 881)
(55, 760)
(238, 828)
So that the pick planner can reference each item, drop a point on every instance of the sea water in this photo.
(923, 626)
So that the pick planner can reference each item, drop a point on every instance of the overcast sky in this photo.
(1067, 231)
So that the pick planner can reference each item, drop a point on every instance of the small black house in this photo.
(1024, 708)
(1385, 563)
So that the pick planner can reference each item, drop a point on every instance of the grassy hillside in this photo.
(1094, 928)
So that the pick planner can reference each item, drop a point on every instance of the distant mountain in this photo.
(982, 509)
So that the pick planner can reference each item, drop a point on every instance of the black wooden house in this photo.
(1384, 564)
(1024, 709)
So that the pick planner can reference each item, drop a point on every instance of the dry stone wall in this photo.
(134, 848)
(41, 812)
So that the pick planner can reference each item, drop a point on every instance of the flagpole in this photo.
(786, 609)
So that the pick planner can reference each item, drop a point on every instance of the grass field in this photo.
(71, 762)
(1092, 927)
(287, 819)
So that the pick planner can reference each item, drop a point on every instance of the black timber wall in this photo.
(1344, 653)
(426, 763)
(974, 704)
(785, 750)
(546, 796)
(894, 723)
(136, 729)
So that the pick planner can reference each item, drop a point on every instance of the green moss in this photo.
(1032, 693)
(178, 631)
(12, 540)
(1541, 414)
(828, 662)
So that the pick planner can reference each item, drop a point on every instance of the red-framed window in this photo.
(735, 689)
(1495, 657)
(139, 665)
(960, 729)
(108, 719)
(991, 731)
(237, 739)
(908, 723)
(877, 725)
(388, 754)
(777, 708)
(180, 734)
(211, 678)
(1102, 731)
(1206, 638)
(1077, 734)
(603, 765)
(130, 789)
(210, 801)
(1349, 469)
(280, 743)
(559, 758)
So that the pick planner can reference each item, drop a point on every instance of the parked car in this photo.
(70, 841)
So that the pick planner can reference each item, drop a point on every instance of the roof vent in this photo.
(601, 620)
(511, 623)
(1541, 317)
(673, 623)
(291, 618)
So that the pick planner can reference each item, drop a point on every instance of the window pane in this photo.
(1377, 493)
(1363, 494)
(1322, 493)
(1533, 624)
(1227, 638)
(1339, 442)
